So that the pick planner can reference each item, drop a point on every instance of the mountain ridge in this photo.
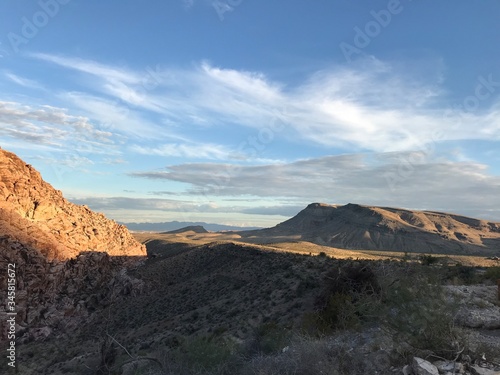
(360, 227)
(68, 260)
(190, 228)
(37, 215)
(175, 225)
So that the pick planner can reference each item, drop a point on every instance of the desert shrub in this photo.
(338, 312)
(406, 299)
(310, 356)
(355, 280)
(350, 294)
(460, 274)
(419, 314)
(428, 260)
(492, 273)
(108, 355)
(204, 353)
(268, 338)
(305, 285)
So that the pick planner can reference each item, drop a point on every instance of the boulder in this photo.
(477, 370)
(422, 367)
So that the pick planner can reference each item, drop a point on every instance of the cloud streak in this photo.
(368, 106)
(49, 126)
(445, 184)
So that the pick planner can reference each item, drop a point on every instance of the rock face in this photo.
(423, 367)
(56, 297)
(68, 260)
(354, 226)
(33, 213)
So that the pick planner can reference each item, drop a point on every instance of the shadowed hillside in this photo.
(205, 303)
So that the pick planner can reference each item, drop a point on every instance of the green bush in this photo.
(428, 260)
(460, 274)
(492, 273)
(204, 353)
(419, 314)
(269, 338)
(350, 295)
(339, 312)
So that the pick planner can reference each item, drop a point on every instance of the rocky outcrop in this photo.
(478, 306)
(68, 260)
(33, 213)
(58, 296)
(423, 367)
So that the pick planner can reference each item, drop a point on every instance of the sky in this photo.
(243, 112)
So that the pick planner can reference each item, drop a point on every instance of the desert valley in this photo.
(232, 187)
(336, 289)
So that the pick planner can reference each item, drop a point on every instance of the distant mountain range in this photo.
(175, 225)
(191, 228)
(358, 227)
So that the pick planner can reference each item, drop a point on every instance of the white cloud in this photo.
(154, 204)
(50, 126)
(186, 150)
(371, 106)
(25, 82)
(114, 116)
(188, 4)
(398, 179)
(91, 67)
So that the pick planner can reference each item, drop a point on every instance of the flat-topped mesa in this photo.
(316, 205)
(32, 212)
(190, 228)
(355, 226)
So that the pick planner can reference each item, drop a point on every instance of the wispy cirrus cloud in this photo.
(49, 126)
(91, 67)
(369, 106)
(22, 81)
(191, 150)
(155, 204)
(115, 116)
(127, 206)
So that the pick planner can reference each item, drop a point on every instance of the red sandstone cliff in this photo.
(35, 214)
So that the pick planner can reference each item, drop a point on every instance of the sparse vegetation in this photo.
(492, 274)
(428, 260)
(195, 321)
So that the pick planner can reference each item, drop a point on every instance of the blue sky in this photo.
(242, 112)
